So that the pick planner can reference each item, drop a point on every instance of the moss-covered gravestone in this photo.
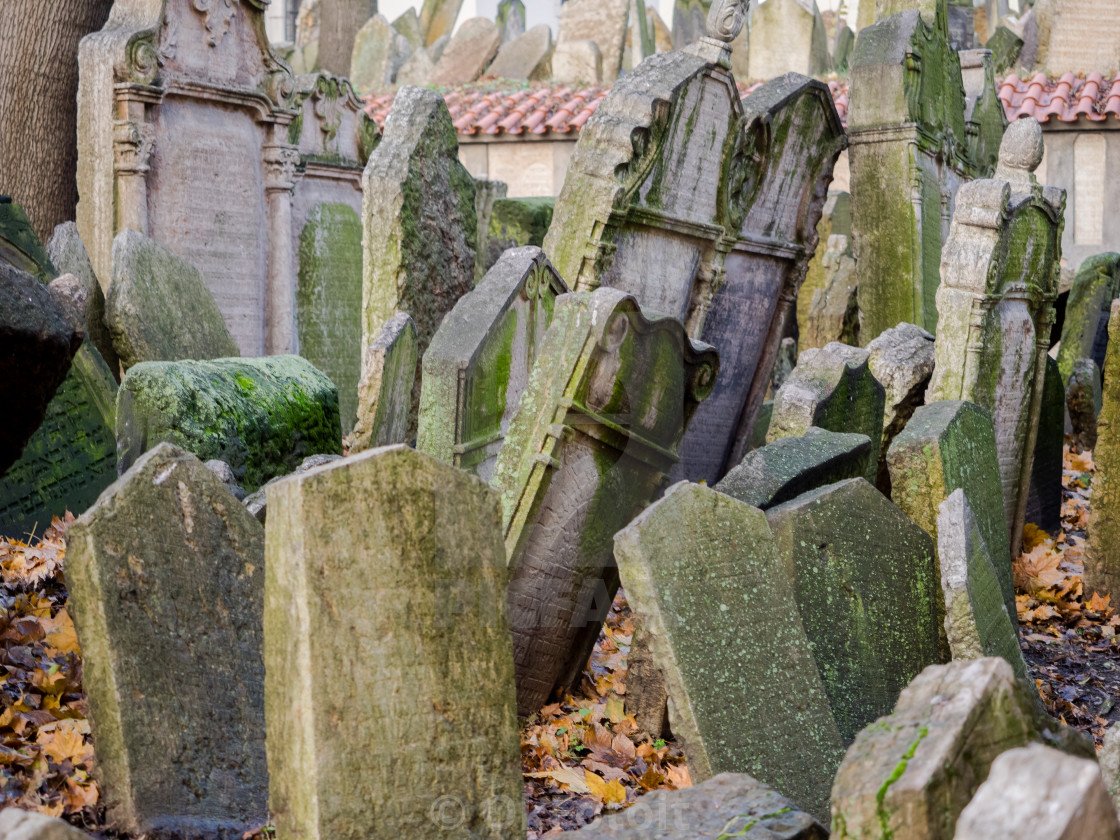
(833, 312)
(703, 206)
(419, 226)
(916, 136)
(389, 682)
(1044, 496)
(68, 254)
(832, 388)
(590, 446)
(1085, 328)
(478, 363)
(1102, 560)
(866, 586)
(836, 220)
(909, 775)
(702, 574)
(385, 389)
(788, 36)
(1000, 276)
(260, 416)
(166, 575)
(515, 223)
(950, 446)
(1083, 401)
(20, 246)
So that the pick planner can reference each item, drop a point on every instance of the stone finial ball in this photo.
(1022, 145)
(726, 19)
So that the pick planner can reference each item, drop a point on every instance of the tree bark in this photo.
(39, 103)
(339, 22)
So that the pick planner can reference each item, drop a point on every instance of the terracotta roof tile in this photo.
(1066, 99)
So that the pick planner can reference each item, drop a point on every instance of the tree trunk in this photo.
(339, 22)
(39, 103)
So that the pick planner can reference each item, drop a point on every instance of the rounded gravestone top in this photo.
(726, 19)
(1022, 145)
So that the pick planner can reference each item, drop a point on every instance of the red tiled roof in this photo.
(1069, 98)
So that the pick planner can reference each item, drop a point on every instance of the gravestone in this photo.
(591, 444)
(437, 18)
(842, 47)
(577, 63)
(478, 364)
(1109, 757)
(408, 25)
(404, 555)
(1000, 275)
(385, 392)
(68, 254)
(420, 226)
(416, 70)
(1085, 327)
(1044, 495)
(781, 471)
(836, 220)
(913, 143)
(1083, 401)
(715, 233)
(977, 623)
(962, 24)
(260, 416)
(701, 573)
(339, 21)
(640, 43)
(901, 359)
(525, 57)
(379, 52)
(603, 21)
(196, 135)
(788, 36)
(486, 194)
(950, 446)
(511, 19)
(174, 672)
(1102, 563)
(1040, 793)
(833, 313)
(16, 824)
(867, 590)
(909, 775)
(1080, 36)
(468, 53)
(1006, 47)
(20, 246)
(515, 223)
(832, 388)
(689, 21)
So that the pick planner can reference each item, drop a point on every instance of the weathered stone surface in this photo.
(909, 775)
(385, 392)
(224, 473)
(689, 21)
(788, 36)
(379, 52)
(307, 22)
(417, 69)
(159, 309)
(700, 567)
(910, 153)
(901, 359)
(20, 246)
(647, 209)
(576, 62)
(71, 300)
(1006, 47)
(409, 715)
(260, 416)
(486, 194)
(836, 220)
(408, 25)
(784, 364)
(948, 446)
(257, 503)
(843, 45)
(174, 671)
(1044, 495)
(24, 825)
(832, 388)
(781, 471)
(977, 623)
(867, 589)
(526, 56)
(437, 18)
(1110, 764)
(728, 805)
(1083, 399)
(603, 21)
(1079, 35)
(515, 223)
(468, 53)
(329, 300)
(478, 364)
(1102, 561)
(833, 313)
(647, 697)
(37, 343)
(510, 19)
(420, 227)
(590, 446)
(1040, 793)
(1085, 328)
(68, 253)
(1000, 276)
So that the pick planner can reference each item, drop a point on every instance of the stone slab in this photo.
(468, 53)
(603, 21)
(525, 57)
(68, 254)
(26, 825)
(1083, 402)
(1085, 326)
(515, 223)
(385, 391)
(1102, 563)
(1044, 495)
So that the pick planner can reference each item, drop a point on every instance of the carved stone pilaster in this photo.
(132, 146)
(280, 164)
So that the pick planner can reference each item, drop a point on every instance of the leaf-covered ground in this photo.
(581, 756)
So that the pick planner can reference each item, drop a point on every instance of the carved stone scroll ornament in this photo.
(132, 146)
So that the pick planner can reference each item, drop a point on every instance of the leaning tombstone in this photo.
(590, 446)
(468, 53)
(420, 226)
(602, 21)
(406, 553)
(379, 52)
(68, 253)
(486, 194)
(478, 364)
(728, 708)
(912, 146)
(788, 36)
(977, 623)
(385, 390)
(836, 220)
(948, 446)
(996, 302)
(525, 58)
(1102, 562)
(16, 824)
(1085, 327)
(868, 644)
(260, 416)
(577, 63)
(1044, 495)
(909, 775)
(437, 19)
(833, 313)
(174, 671)
(715, 233)
(1083, 401)
(510, 19)
(1040, 793)
(515, 223)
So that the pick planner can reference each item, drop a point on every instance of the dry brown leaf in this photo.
(611, 793)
